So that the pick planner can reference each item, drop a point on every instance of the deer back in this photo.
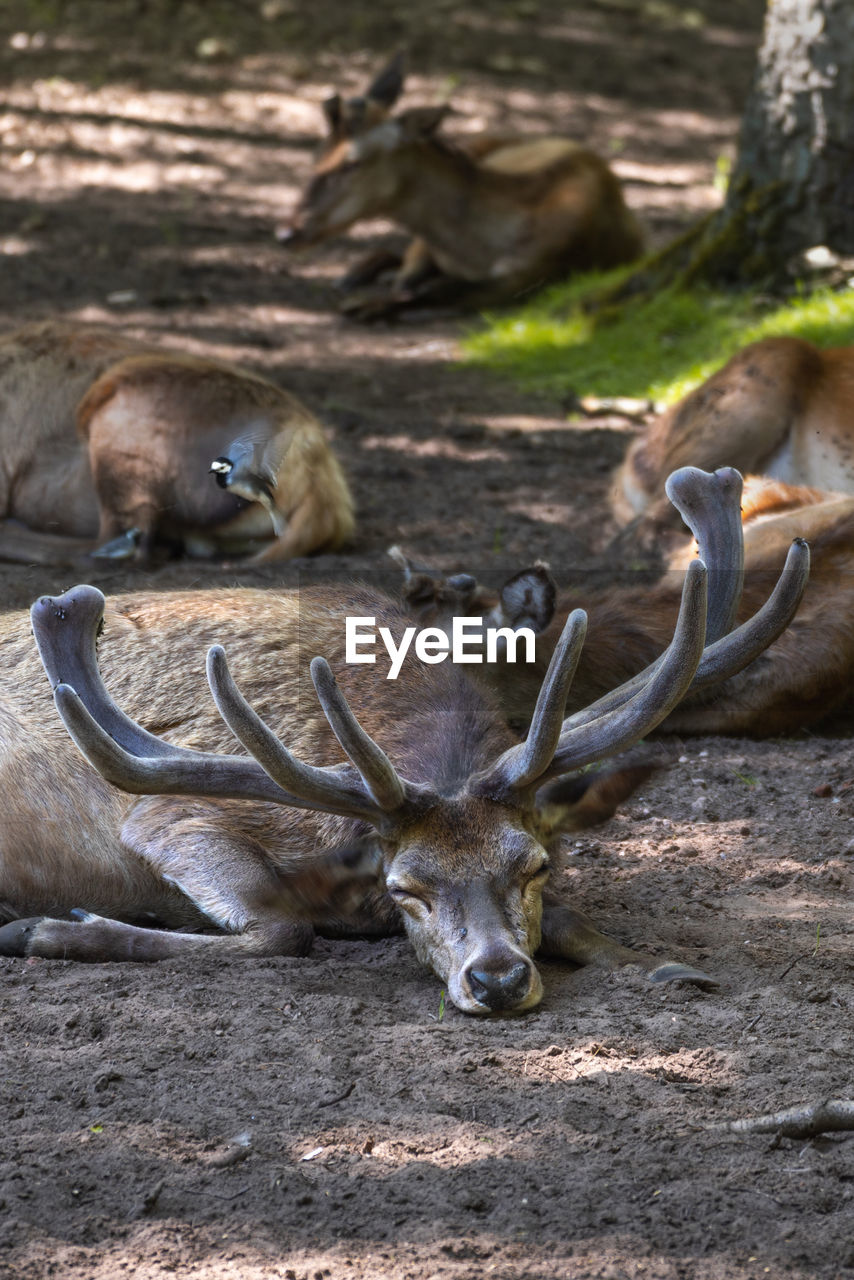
(780, 407)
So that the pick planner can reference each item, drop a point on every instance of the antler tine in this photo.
(376, 770)
(733, 652)
(656, 697)
(180, 772)
(710, 505)
(65, 629)
(128, 756)
(319, 788)
(522, 765)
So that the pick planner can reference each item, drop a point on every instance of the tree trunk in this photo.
(792, 186)
(797, 135)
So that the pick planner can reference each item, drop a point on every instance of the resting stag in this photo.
(426, 813)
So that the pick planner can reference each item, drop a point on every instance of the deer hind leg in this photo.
(570, 935)
(125, 534)
(311, 526)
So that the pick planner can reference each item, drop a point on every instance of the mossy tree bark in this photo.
(792, 185)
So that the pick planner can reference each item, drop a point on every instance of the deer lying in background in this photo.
(464, 825)
(804, 676)
(109, 444)
(493, 217)
(781, 407)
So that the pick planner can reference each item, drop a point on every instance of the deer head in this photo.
(357, 173)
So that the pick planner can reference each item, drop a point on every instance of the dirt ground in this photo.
(305, 1118)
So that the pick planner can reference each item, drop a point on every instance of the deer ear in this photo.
(421, 122)
(332, 112)
(527, 600)
(387, 86)
(425, 589)
(584, 800)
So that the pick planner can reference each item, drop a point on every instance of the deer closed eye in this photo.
(535, 878)
(413, 903)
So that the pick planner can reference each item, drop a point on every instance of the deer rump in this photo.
(109, 444)
(781, 407)
(452, 834)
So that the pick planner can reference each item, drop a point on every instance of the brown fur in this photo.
(100, 435)
(805, 676)
(780, 406)
(494, 217)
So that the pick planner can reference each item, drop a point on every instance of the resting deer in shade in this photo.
(806, 675)
(109, 444)
(493, 217)
(780, 407)
(462, 818)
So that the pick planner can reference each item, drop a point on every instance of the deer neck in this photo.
(460, 210)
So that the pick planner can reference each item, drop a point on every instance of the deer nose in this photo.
(500, 990)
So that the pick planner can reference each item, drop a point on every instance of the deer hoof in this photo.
(121, 548)
(673, 972)
(15, 937)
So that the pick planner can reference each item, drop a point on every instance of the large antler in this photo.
(66, 628)
(616, 727)
(382, 785)
(710, 504)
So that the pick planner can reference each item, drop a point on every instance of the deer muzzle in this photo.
(289, 234)
(506, 989)
(505, 981)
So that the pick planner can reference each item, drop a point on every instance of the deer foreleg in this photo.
(417, 266)
(570, 935)
(229, 879)
(369, 268)
(23, 545)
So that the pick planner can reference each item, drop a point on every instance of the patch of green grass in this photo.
(657, 349)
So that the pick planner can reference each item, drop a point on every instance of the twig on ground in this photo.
(834, 1115)
(750, 1025)
(339, 1097)
(806, 955)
